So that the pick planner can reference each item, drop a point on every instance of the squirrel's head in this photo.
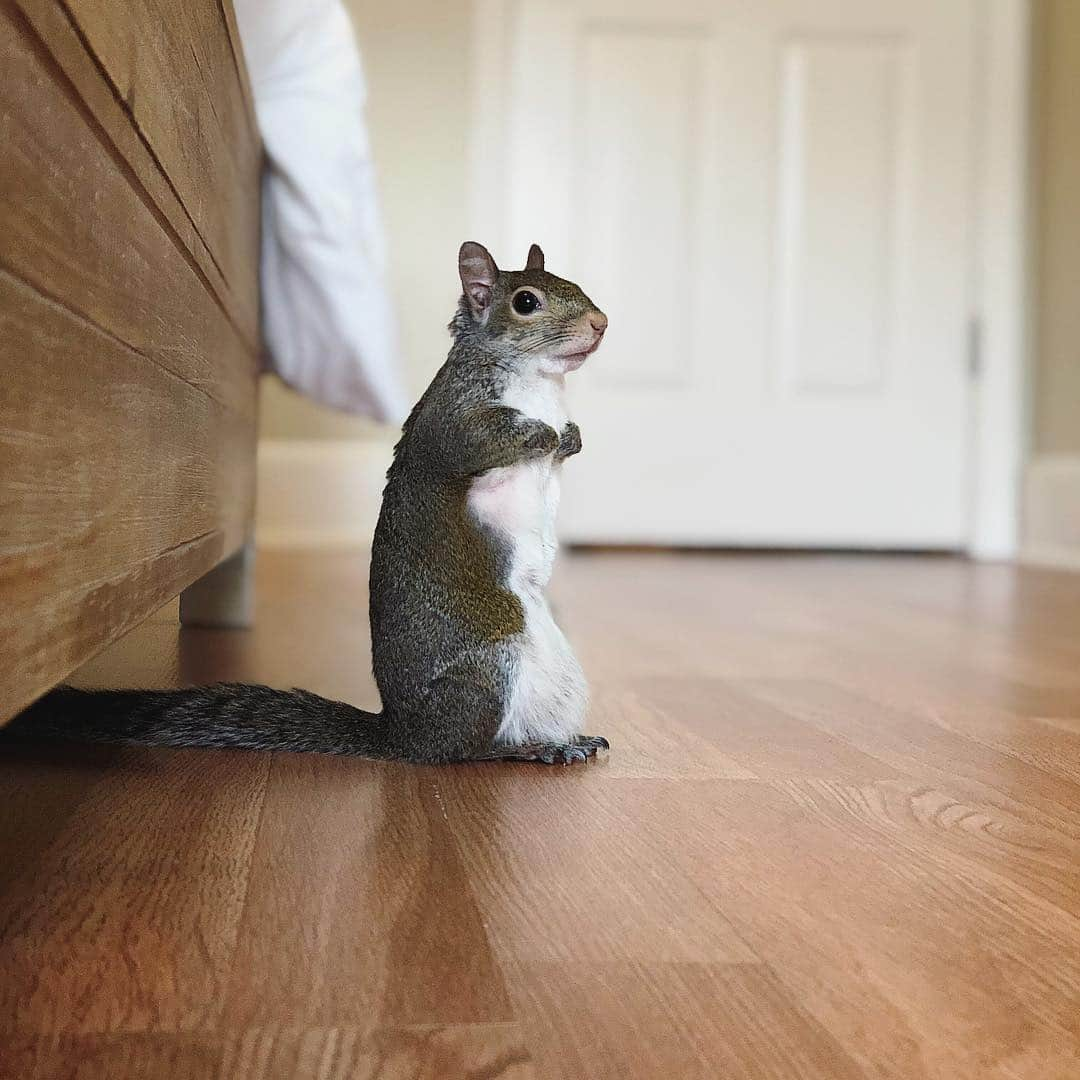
(529, 314)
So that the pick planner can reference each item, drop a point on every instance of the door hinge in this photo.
(974, 347)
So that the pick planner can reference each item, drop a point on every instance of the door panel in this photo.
(841, 162)
(771, 202)
(642, 151)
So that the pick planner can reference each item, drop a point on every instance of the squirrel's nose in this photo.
(598, 321)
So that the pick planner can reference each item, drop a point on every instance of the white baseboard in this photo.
(1052, 512)
(316, 493)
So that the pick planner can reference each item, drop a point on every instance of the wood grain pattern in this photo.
(389, 935)
(171, 66)
(692, 1021)
(832, 840)
(480, 1051)
(60, 39)
(144, 941)
(127, 361)
(121, 483)
(79, 230)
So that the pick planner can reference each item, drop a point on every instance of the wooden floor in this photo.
(837, 835)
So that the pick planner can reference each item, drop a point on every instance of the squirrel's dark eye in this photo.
(525, 302)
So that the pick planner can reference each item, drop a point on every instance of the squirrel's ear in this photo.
(535, 261)
(478, 273)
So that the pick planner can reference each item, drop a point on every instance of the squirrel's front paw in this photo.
(542, 440)
(569, 441)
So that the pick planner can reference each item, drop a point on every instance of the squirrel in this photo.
(468, 659)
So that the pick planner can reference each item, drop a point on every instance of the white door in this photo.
(770, 200)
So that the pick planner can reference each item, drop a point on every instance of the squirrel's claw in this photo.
(596, 742)
(581, 749)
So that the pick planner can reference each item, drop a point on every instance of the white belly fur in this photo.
(548, 695)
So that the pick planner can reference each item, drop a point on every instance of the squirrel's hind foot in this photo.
(581, 749)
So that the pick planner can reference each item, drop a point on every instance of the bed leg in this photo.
(225, 596)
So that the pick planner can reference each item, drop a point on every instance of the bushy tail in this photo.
(227, 715)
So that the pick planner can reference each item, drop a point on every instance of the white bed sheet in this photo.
(328, 324)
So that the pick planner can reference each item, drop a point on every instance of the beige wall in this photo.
(416, 56)
(1051, 520)
(1056, 314)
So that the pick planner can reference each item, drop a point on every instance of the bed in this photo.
(129, 323)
